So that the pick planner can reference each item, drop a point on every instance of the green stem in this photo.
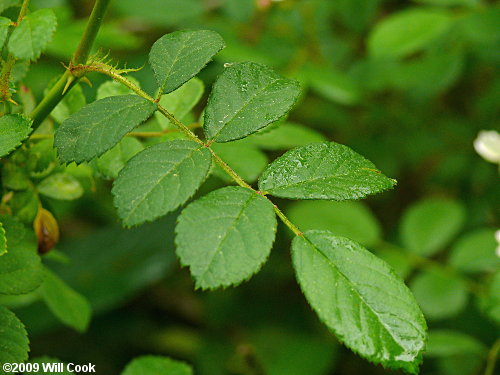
(67, 81)
(100, 68)
(23, 10)
(492, 358)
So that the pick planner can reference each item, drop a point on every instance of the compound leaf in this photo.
(430, 224)
(179, 56)
(157, 365)
(33, 34)
(13, 130)
(226, 236)
(20, 267)
(159, 179)
(245, 98)
(68, 306)
(14, 343)
(99, 126)
(361, 299)
(325, 170)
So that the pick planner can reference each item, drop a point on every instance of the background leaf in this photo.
(14, 343)
(325, 170)
(156, 365)
(475, 252)
(4, 29)
(245, 98)
(440, 294)
(159, 179)
(13, 130)
(429, 225)
(407, 31)
(113, 161)
(61, 186)
(179, 56)
(347, 219)
(20, 267)
(285, 136)
(359, 297)
(70, 307)
(33, 34)
(99, 126)
(234, 228)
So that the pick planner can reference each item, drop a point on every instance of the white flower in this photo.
(487, 144)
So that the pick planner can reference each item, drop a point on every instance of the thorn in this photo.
(10, 100)
(86, 80)
(68, 83)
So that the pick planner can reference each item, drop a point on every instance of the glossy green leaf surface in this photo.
(407, 32)
(325, 170)
(20, 267)
(440, 295)
(61, 186)
(360, 298)
(33, 34)
(226, 236)
(13, 130)
(245, 98)
(149, 365)
(179, 56)
(159, 179)
(66, 304)
(429, 225)
(14, 343)
(99, 126)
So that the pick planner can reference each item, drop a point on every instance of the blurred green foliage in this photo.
(406, 84)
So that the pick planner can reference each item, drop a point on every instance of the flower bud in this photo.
(487, 144)
(46, 230)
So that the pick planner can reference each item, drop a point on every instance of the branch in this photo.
(68, 80)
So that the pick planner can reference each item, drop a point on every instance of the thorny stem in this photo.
(68, 80)
(115, 75)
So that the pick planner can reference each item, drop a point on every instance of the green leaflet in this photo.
(446, 343)
(226, 236)
(61, 186)
(99, 126)
(325, 170)
(179, 56)
(245, 98)
(429, 225)
(181, 101)
(33, 34)
(14, 343)
(406, 32)
(475, 252)
(13, 130)
(361, 299)
(285, 136)
(440, 294)
(20, 267)
(71, 103)
(4, 29)
(3, 240)
(68, 306)
(113, 88)
(156, 365)
(159, 179)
